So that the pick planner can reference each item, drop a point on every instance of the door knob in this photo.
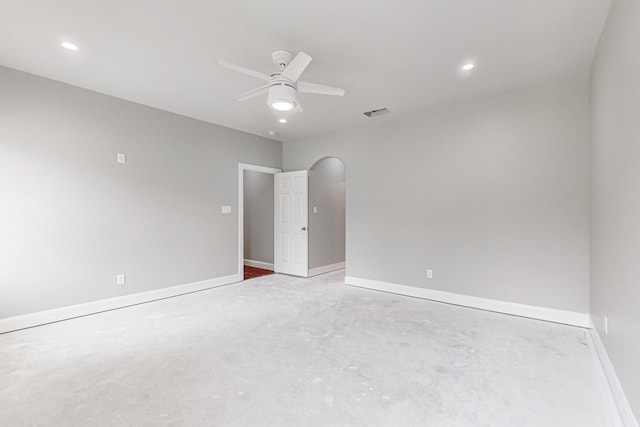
(304, 228)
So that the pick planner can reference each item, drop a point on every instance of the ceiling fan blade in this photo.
(306, 87)
(253, 93)
(296, 67)
(243, 70)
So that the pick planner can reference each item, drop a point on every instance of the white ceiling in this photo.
(403, 54)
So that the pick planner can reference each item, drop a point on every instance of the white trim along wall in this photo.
(258, 264)
(326, 269)
(619, 397)
(534, 312)
(15, 323)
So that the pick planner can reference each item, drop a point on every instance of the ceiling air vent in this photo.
(375, 113)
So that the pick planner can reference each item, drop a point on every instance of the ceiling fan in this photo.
(283, 85)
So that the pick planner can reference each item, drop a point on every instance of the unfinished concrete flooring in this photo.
(284, 351)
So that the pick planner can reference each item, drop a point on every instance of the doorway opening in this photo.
(256, 208)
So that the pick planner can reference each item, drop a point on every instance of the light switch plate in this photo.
(121, 158)
(315, 209)
(121, 279)
(226, 209)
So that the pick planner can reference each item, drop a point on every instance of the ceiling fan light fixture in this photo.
(282, 97)
(283, 85)
(283, 105)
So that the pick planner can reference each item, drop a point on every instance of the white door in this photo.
(291, 223)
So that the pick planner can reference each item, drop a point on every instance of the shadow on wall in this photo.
(327, 214)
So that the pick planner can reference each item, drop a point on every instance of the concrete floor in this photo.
(283, 351)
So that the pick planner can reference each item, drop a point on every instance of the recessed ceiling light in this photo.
(283, 120)
(69, 46)
(468, 66)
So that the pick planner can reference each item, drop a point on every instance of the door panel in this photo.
(291, 223)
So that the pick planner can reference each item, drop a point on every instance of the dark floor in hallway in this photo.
(253, 272)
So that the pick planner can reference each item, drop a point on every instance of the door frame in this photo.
(264, 169)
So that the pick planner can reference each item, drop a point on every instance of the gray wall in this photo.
(327, 226)
(492, 194)
(615, 197)
(258, 216)
(72, 218)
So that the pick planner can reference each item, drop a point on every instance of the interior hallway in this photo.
(283, 351)
(253, 272)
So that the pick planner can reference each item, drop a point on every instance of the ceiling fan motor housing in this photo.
(282, 93)
(281, 57)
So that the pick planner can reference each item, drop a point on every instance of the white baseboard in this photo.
(258, 264)
(534, 312)
(619, 397)
(63, 313)
(326, 269)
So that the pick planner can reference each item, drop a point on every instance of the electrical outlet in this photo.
(429, 274)
(606, 324)
(121, 279)
(121, 158)
(226, 209)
